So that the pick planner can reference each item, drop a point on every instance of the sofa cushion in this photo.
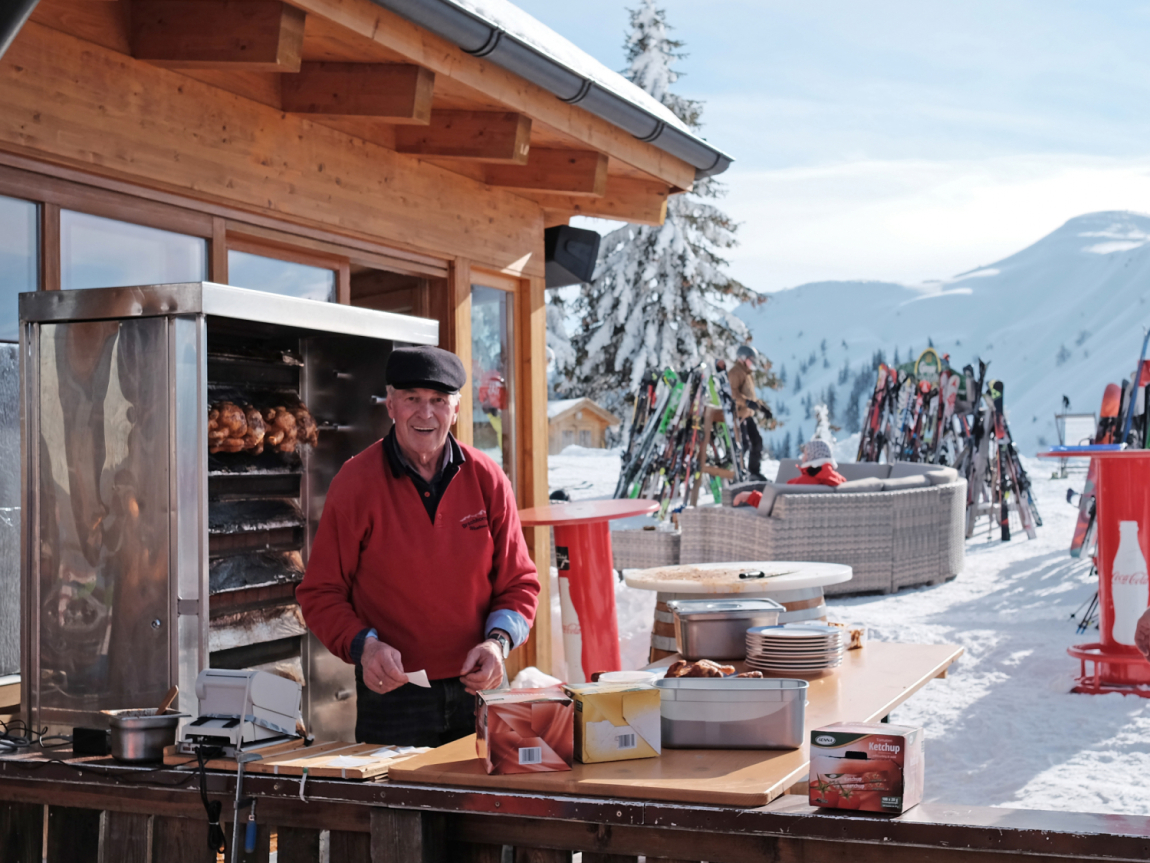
(942, 475)
(909, 468)
(863, 470)
(866, 484)
(774, 490)
(788, 469)
(903, 483)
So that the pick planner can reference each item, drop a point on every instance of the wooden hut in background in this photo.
(578, 421)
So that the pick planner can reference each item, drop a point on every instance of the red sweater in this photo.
(379, 561)
(823, 475)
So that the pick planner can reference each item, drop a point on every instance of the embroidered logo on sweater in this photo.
(477, 521)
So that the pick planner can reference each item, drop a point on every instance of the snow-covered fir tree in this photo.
(659, 294)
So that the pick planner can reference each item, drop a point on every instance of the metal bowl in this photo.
(141, 735)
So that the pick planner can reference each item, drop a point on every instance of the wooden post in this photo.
(531, 352)
(218, 252)
(125, 837)
(181, 840)
(49, 247)
(542, 855)
(347, 847)
(407, 836)
(297, 845)
(21, 832)
(458, 340)
(73, 835)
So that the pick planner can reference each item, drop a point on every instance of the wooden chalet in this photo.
(578, 421)
(404, 155)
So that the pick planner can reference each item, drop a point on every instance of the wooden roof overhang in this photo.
(355, 67)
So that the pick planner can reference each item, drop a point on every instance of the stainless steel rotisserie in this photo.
(159, 539)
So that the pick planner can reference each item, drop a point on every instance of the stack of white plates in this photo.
(795, 648)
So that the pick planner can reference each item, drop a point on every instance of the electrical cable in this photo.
(216, 840)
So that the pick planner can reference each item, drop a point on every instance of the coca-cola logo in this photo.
(1136, 578)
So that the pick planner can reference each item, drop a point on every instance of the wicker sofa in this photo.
(896, 525)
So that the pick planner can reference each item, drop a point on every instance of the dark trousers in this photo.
(753, 444)
(412, 715)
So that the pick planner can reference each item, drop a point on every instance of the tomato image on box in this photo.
(869, 766)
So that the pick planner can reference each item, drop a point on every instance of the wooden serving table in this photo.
(870, 683)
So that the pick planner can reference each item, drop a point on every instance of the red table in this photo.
(1122, 514)
(586, 578)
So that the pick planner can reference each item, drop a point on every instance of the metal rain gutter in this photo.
(13, 14)
(482, 39)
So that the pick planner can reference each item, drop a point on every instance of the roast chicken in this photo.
(247, 429)
(702, 668)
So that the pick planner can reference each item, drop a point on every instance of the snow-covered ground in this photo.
(1003, 729)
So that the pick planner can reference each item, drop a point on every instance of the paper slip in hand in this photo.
(419, 678)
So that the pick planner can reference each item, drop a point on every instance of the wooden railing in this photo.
(79, 812)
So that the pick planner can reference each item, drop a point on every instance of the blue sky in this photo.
(904, 141)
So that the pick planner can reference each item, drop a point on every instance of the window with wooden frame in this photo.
(282, 269)
(493, 368)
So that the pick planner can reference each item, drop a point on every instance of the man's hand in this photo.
(382, 666)
(1142, 634)
(483, 667)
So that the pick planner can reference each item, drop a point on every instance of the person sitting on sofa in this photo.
(817, 468)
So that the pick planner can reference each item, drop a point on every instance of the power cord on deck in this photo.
(213, 808)
(17, 735)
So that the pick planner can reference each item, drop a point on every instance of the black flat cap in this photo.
(425, 367)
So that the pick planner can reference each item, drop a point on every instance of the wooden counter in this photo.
(868, 686)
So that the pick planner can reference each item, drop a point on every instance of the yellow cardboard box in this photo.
(615, 721)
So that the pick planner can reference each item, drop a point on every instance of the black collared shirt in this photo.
(431, 493)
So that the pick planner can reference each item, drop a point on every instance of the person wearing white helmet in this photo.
(746, 403)
(817, 466)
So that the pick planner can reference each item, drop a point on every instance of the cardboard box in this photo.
(616, 721)
(870, 766)
(525, 730)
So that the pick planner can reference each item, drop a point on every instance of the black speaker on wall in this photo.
(570, 255)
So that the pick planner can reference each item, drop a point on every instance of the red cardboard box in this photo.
(870, 766)
(525, 730)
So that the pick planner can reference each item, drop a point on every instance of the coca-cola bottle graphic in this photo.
(1129, 587)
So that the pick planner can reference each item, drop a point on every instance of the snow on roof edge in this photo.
(508, 17)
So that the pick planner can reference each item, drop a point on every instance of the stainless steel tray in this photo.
(717, 628)
(732, 712)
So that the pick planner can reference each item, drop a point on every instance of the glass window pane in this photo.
(280, 277)
(105, 253)
(493, 419)
(19, 259)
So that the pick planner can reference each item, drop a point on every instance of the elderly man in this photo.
(419, 564)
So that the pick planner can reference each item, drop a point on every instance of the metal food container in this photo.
(732, 712)
(141, 735)
(717, 628)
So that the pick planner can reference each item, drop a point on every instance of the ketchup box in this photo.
(525, 730)
(870, 766)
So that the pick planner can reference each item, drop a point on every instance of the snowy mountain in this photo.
(1064, 316)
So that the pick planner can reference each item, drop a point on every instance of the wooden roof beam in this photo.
(572, 172)
(249, 35)
(483, 136)
(637, 201)
(448, 61)
(396, 92)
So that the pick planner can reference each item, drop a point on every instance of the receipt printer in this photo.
(241, 709)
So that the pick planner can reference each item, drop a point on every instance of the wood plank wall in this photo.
(77, 110)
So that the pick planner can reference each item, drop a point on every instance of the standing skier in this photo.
(746, 403)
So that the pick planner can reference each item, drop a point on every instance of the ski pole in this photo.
(1134, 388)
